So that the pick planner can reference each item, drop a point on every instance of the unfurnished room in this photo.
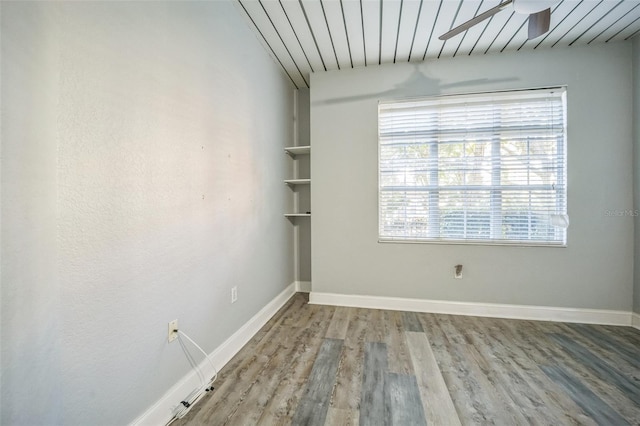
(320, 212)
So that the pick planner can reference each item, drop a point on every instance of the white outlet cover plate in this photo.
(173, 335)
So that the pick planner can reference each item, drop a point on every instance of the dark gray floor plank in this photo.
(547, 352)
(313, 407)
(603, 370)
(372, 394)
(630, 334)
(595, 407)
(412, 322)
(552, 405)
(507, 376)
(628, 352)
(403, 406)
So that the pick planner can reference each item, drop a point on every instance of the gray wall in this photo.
(303, 191)
(594, 271)
(636, 171)
(142, 168)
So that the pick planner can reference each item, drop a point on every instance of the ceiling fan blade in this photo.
(471, 22)
(539, 23)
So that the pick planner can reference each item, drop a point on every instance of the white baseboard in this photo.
(494, 310)
(161, 412)
(635, 321)
(303, 286)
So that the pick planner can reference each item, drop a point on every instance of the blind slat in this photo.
(488, 167)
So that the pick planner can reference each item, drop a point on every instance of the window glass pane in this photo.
(488, 167)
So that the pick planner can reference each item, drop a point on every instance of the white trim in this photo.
(303, 286)
(162, 411)
(635, 321)
(495, 310)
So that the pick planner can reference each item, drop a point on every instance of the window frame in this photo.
(434, 197)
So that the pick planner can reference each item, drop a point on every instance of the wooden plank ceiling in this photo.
(307, 36)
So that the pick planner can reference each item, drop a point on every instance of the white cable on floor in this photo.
(193, 363)
(215, 371)
(197, 393)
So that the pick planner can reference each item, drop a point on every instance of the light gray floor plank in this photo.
(479, 381)
(462, 386)
(346, 393)
(398, 352)
(282, 406)
(339, 323)
(376, 329)
(436, 401)
(342, 417)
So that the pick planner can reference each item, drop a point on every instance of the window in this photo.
(484, 168)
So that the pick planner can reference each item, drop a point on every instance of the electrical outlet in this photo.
(234, 294)
(457, 272)
(173, 335)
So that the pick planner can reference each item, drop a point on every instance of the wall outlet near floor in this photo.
(457, 272)
(173, 334)
(234, 294)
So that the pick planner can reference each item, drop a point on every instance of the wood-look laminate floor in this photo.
(323, 365)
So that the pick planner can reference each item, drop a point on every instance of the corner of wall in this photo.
(636, 175)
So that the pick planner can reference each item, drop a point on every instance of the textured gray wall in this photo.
(594, 271)
(142, 170)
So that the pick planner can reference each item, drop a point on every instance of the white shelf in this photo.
(297, 214)
(298, 150)
(298, 181)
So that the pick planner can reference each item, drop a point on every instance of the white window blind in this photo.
(474, 168)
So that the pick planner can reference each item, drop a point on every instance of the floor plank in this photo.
(549, 353)
(608, 344)
(372, 396)
(412, 322)
(342, 417)
(533, 391)
(436, 401)
(339, 323)
(402, 401)
(346, 393)
(313, 406)
(398, 352)
(282, 406)
(324, 365)
(599, 367)
(599, 411)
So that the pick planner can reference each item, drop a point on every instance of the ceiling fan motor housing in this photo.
(528, 7)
